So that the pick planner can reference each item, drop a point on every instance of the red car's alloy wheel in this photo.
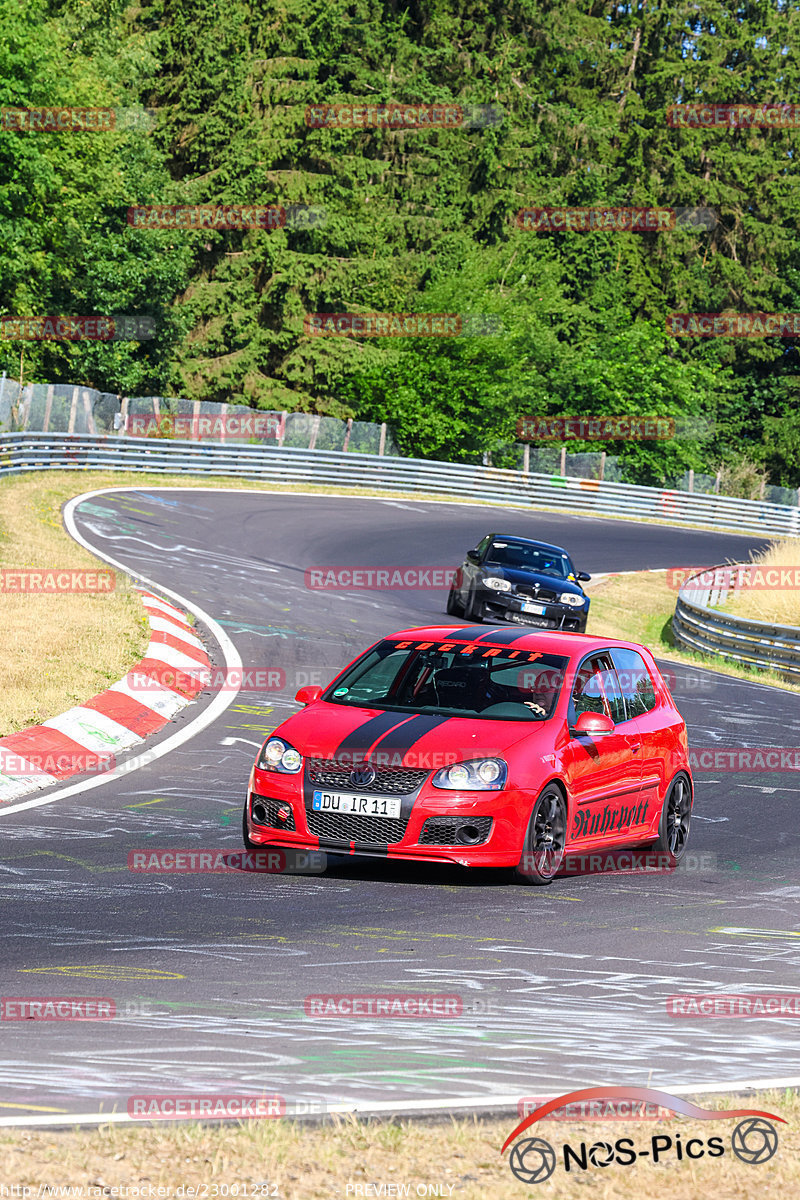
(676, 817)
(543, 849)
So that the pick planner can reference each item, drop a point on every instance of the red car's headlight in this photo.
(277, 755)
(478, 775)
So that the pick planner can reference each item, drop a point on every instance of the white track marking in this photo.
(180, 632)
(93, 730)
(391, 1107)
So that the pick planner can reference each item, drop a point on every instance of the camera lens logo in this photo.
(601, 1154)
(533, 1160)
(754, 1140)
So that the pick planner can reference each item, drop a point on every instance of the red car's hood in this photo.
(350, 734)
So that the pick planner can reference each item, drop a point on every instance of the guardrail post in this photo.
(602, 464)
(48, 408)
(347, 433)
(526, 458)
(91, 428)
(73, 408)
(382, 443)
(562, 468)
(691, 479)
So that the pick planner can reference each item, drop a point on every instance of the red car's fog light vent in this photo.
(271, 812)
(455, 831)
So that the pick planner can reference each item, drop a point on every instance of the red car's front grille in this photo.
(349, 827)
(393, 781)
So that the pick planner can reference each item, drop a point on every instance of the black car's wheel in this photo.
(474, 609)
(454, 606)
(543, 848)
(676, 818)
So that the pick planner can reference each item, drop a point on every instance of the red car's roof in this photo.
(512, 637)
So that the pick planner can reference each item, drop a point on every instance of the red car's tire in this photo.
(676, 819)
(545, 837)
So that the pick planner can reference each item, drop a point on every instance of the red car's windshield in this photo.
(430, 677)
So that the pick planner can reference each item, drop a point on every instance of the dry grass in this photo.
(58, 650)
(459, 1157)
(779, 603)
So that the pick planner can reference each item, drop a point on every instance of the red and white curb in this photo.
(86, 738)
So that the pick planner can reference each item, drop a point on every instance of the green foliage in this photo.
(418, 221)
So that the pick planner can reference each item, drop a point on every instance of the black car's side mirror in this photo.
(582, 577)
(473, 556)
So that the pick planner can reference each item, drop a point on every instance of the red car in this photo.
(488, 747)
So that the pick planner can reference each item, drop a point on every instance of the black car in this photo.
(509, 578)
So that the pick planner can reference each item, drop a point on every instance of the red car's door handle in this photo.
(636, 747)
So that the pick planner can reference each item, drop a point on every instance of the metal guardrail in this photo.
(23, 452)
(700, 627)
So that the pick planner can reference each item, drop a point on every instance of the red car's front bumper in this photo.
(502, 847)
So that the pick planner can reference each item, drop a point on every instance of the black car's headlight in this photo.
(478, 775)
(496, 583)
(571, 599)
(277, 755)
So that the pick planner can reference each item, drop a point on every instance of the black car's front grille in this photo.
(349, 827)
(443, 831)
(543, 595)
(389, 781)
(270, 814)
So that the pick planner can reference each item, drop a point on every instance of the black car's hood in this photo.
(530, 578)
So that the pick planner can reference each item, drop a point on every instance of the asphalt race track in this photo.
(563, 987)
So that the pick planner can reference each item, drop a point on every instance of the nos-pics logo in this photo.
(533, 1160)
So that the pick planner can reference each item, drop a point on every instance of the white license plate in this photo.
(539, 609)
(347, 802)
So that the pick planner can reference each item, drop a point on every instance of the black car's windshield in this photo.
(524, 557)
(476, 681)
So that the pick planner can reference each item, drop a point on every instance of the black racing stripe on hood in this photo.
(403, 737)
(363, 736)
(503, 637)
(465, 633)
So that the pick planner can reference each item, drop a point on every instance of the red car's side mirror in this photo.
(594, 724)
(307, 695)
